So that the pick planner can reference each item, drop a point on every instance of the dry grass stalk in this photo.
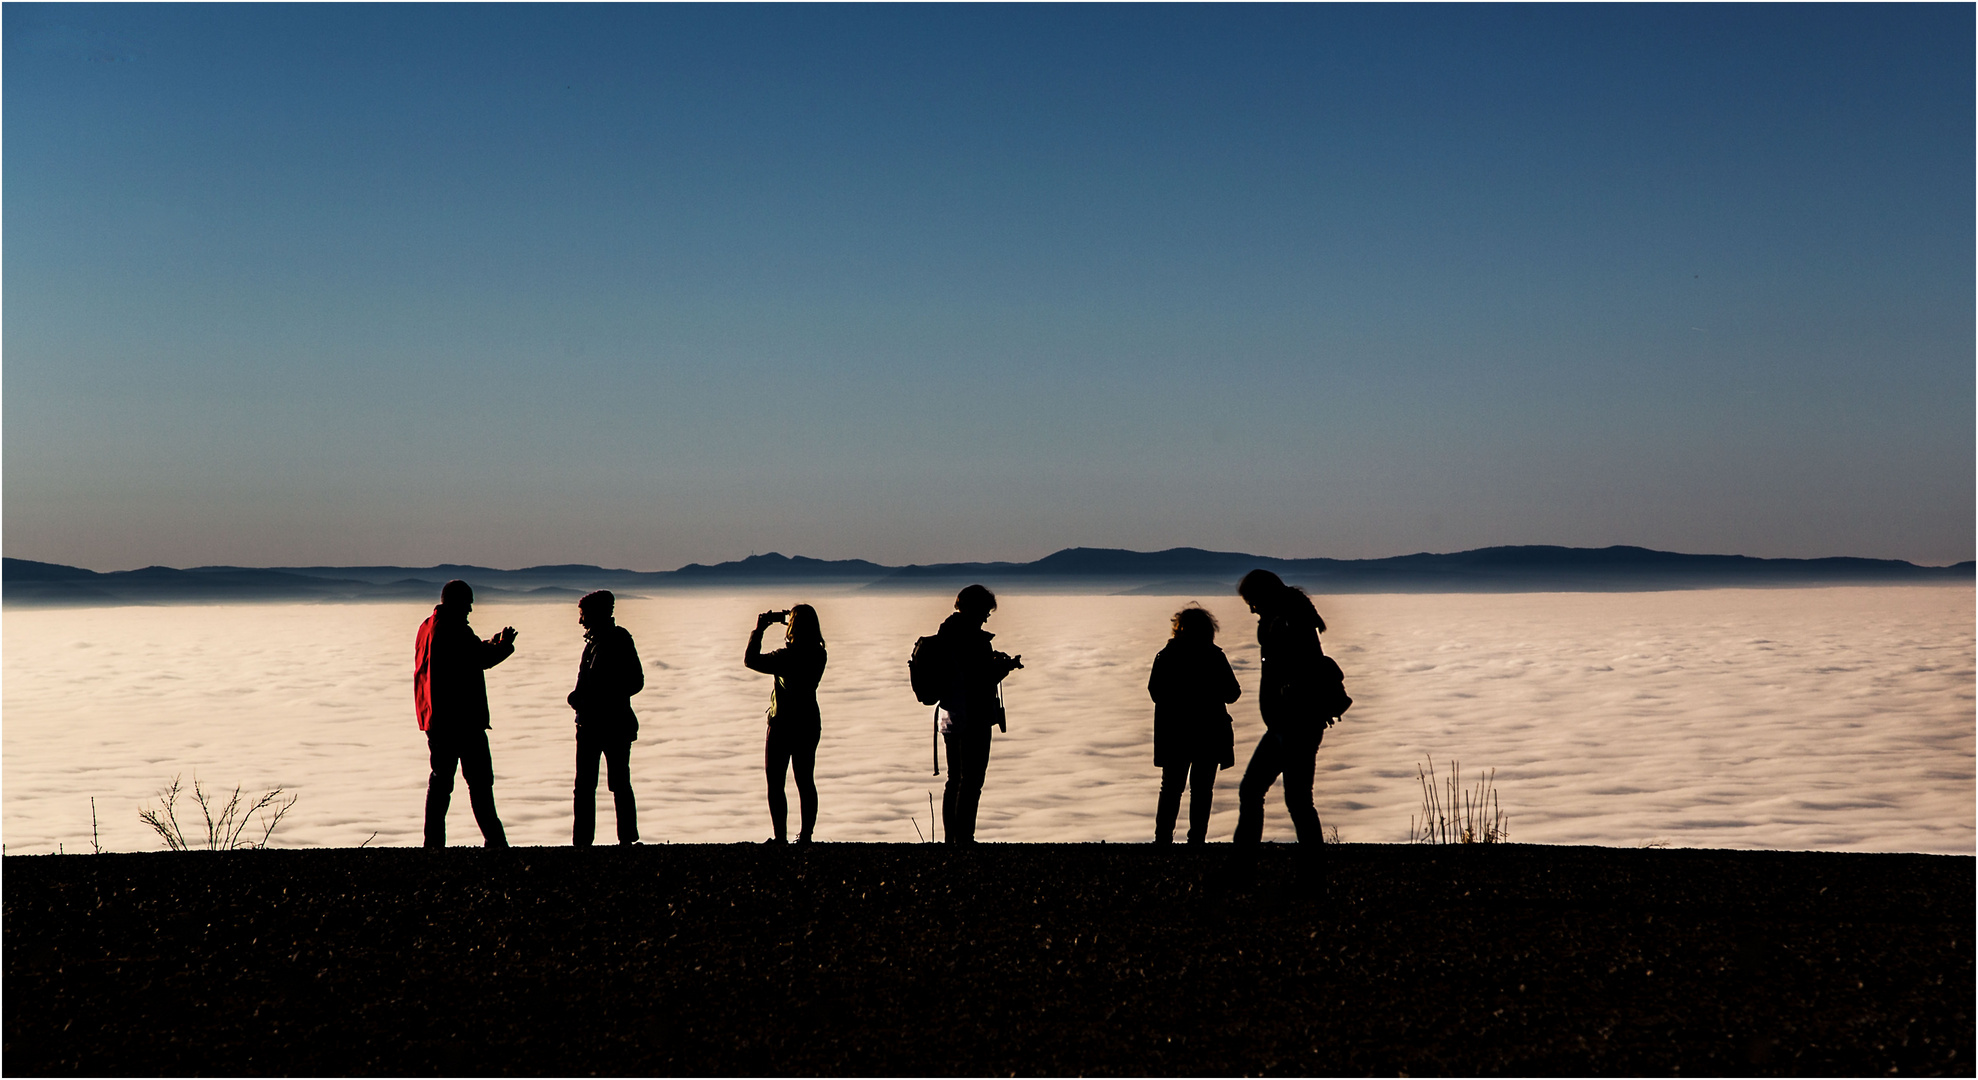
(1453, 815)
(226, 823)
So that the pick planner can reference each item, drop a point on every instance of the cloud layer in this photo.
(1832, 719)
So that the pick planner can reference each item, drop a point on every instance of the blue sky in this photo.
(648, 285)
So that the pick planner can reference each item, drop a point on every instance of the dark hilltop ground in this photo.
(1019, 958)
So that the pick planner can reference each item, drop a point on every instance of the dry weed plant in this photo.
(226, 824)
(1453, 815)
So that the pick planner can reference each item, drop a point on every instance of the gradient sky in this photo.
(641, 286)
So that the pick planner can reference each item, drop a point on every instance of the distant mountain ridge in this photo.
(1530, 568)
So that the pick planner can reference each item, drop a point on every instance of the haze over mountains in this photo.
(1531, 568)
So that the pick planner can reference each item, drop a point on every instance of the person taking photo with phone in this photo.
(795, 725)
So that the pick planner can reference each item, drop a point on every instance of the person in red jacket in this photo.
(450, 694)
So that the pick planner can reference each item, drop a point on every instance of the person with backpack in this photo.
(795, 725)
(1299, 695)
(1191, 684)
(965, 673)
(450, 697)
(608, 675)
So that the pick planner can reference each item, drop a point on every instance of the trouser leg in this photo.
(618, 776)
(1173, 778)
(968, 759)
(1300, 763)
(775, 766)
(803, 761)
(445, 759)
(1201, 798)
(584, 794)
(1266, 762)
(949, 791)
(972, 793)
(968, 802)
(477, 768)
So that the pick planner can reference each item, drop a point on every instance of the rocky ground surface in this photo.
(1034, 959)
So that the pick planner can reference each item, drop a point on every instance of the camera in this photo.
(778, 616)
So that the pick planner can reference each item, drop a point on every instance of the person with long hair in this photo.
(972, 669)
(1289, 697)
(1191, 684)
(794, 722)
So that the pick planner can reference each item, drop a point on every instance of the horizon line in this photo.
(986, 563)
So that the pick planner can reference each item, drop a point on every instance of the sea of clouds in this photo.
(1831, 719)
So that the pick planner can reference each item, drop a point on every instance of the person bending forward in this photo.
(1288, 628)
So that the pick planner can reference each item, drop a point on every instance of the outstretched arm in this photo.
(497, 648)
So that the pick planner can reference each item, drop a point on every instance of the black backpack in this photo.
(928, 669)
(1331, 689)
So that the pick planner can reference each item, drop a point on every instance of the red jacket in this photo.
(449, 691)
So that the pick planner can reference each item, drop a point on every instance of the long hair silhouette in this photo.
(805, 630)
(1268, 593)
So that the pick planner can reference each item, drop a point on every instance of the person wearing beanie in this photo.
(607, 676)
(970, 705)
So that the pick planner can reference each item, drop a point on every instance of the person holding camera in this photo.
(794, 722)
(1191, 684)
(971, 671)
(450, 695)
(608, 675)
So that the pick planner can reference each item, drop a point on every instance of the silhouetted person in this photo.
(607, 677)
(1288, 697)
(450, 693)
(969, 706)
(1191, 683)
(794, 722)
